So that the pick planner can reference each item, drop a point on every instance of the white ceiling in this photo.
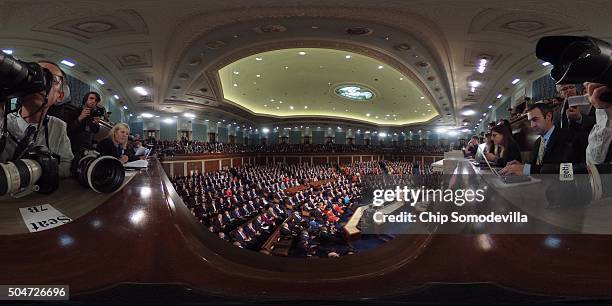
(175, 48)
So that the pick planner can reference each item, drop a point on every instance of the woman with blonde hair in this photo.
(115, 143)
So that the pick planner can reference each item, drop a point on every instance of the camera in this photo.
(19, 78)
(97, 112)
(103, 174)
(37, 171)
(578, 59)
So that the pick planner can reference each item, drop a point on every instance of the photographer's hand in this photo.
(84, 114)
(594, 91)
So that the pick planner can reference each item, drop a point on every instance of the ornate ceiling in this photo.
(176, 50)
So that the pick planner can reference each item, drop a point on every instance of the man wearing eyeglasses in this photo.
(580, 118)
(31, 124)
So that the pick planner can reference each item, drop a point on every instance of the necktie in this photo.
(541, 150)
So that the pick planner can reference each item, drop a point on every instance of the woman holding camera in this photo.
(116, 142)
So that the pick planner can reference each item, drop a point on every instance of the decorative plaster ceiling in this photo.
(301, 82)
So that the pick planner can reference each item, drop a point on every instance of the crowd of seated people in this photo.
(308, 204)
(187, 147)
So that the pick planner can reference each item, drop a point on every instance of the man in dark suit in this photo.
(554, 146)
(579, 118)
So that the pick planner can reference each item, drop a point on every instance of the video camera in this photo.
(577, 59)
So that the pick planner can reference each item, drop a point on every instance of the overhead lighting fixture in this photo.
(156, 116)
(235, 85)
(469, 112)
(291, 107)
(236, 72)
(545, 64)
(189, 115)
(306, 107)
(368, 115)
(347, 56)
(380, 67)
(465, 124)
(258, 58)
(482, 65)
(490, 106)
(116, 97)
(168, 120)
(259, 75)
(68, 63)
(515, 81)
(382, 134)
(125, 107)
(499, 96)
(141, 91)
(265, 130)
(100, 81)
(146, 115)
(474, 83)
(7, 51)
(302, 53)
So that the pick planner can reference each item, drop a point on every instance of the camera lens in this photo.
(18, 175)
(105, 174)
(102, 174)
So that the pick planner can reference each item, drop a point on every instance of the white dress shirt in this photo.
(600, 137)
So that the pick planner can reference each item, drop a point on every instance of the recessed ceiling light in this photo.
(499, 96)
(490, 106)
(146, 115)
(280, 102)
(368, 115)
(68, 63)
(259, 75)
(515, 81)
(347, 56)
(286, 67)
(278, 107)
(469, 112)
(258, 58)
(401, 79)
(141, 91)
(189, 115)
(100, 81)
(306, 107)
(265, 105)
(7, 51)
(545, 64)
(302, 53)
(291, 107)
(271, 100)
(380, 67)
(116, 97)
(422, 98)
(156, 116)
(236, 72)
(125, 107)
(376, 117)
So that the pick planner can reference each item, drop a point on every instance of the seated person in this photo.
(115, 143)
(508, 149)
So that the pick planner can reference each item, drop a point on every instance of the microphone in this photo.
(593, 182)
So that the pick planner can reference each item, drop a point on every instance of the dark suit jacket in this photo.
(563, 147)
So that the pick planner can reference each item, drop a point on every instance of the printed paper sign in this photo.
(42, 217)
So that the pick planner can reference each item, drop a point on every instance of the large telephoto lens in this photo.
(104, 174)
(17, 175)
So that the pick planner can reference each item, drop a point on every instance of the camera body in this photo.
(97, 112)
(37, 171)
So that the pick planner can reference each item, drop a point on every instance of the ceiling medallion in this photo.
(215, 44)
(354, 92)
(402, 47)
(271, 28)
(95, 27)
(359, 31)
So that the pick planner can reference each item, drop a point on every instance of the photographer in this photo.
(598, 151)
(83, 128)
(30, 125)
